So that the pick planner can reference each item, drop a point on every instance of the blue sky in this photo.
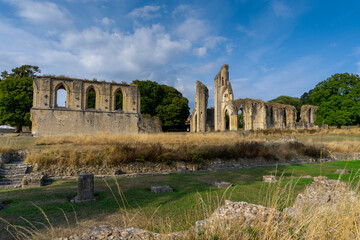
(273, 47)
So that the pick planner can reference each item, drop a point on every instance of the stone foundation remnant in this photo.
(161, 189)
(342, 171)
(220, 184)
(269, 179)
(85, 188)
(32, 180)
(91, 107)
(246, 113)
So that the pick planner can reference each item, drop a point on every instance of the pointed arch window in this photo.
(61, 95)
(119, 100)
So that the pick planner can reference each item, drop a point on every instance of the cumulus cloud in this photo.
(146, 48)
(107, 22)
(145, 12)
(42, 12)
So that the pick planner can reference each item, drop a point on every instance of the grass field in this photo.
(158, 212)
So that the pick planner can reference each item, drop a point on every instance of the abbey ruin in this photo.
(91, 107)
(256, 114)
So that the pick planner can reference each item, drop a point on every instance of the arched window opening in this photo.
(309, 115)
(240, 118)
(222, 81)
(227, 120)
(91, 99)
(60, 97)
(119, 101)
(271, 116)
(284, 117)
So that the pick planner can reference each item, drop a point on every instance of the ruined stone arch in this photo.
(225, 125)
(97, 96)
(59, 86)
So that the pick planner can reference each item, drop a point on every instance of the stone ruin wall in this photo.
(198, 121)
(257, 114)
(75, 118)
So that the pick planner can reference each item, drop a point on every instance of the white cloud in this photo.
(200, 51)
(107, 22)
(245, 30)
(281, 10)
(193, 29)
(265, 70)
(146, 48)
(42, 12)
(213, 41)
(145, 12)
(185, 10)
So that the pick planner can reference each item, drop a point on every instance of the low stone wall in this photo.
(161, 168)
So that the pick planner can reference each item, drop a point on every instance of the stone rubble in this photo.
(321, 193)
(221, 184)
(269, 179)
(161, 189)
(342, 171)
(239, 213)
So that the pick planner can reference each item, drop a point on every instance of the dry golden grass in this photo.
(111, 150)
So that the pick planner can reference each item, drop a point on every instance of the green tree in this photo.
(294, 101)
(338, 98)
(16, 96)
(163, 101)
(305, 98)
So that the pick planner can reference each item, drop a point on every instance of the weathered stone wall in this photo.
(307, 116)
(47, 122)
(199, 115)
(75, 117)
(148, 124)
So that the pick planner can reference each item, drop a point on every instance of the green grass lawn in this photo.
(179, 209)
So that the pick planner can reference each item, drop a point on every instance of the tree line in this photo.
(338, 99)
